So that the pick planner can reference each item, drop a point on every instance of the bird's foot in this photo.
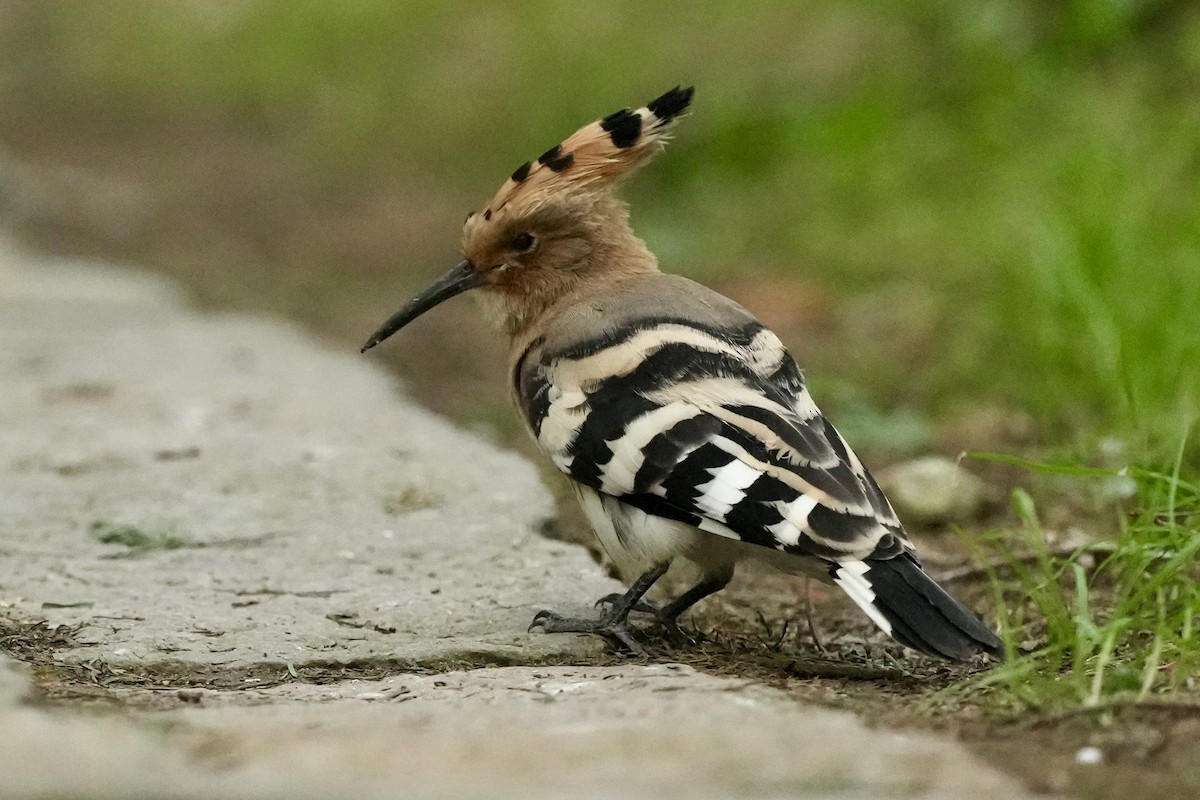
(613, 623)
(663, 615)
(615, 629)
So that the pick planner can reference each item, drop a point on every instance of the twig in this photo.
(808, 615)
(833, 669)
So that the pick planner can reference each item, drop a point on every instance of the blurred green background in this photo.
(976, 224)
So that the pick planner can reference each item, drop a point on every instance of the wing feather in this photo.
(726, 440)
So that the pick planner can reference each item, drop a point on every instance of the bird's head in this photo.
(556, 224)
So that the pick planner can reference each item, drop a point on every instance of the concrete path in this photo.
(226, 521)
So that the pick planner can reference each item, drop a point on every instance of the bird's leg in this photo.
(668, 615)
(613, 623)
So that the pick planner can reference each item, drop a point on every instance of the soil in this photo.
(328, 257)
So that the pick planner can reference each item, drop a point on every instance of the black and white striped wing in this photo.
(715, 429)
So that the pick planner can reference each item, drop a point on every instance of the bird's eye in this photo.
(522, 242)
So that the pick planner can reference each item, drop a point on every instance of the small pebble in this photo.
(1088, 756)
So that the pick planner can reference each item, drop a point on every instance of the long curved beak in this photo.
(460, 278)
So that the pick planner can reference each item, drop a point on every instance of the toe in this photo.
(623, 637)
(541, 619)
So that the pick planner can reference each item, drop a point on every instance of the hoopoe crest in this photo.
(556, 223)
(683, 424)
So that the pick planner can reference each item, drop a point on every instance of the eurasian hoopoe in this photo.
(684, 425)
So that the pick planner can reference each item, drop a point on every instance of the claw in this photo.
(641, 606)
(540, 619)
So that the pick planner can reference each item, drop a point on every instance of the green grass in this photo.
(1113, 621)
(137, 540)
(1002, 201)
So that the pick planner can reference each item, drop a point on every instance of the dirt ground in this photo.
(275, 242)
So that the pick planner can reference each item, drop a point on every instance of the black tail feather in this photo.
(923, 616)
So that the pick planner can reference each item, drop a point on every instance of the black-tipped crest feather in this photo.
(624, 127)
(671, 104)
(521, 172)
